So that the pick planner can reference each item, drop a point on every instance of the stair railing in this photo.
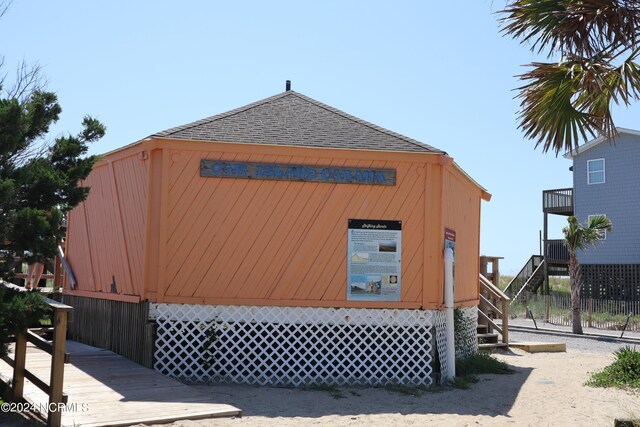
(494, 305)
(519, 280)
(526, 284)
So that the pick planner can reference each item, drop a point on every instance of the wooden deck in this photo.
(106, 389)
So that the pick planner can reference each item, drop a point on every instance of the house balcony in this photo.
(559, 202)
(557, 252)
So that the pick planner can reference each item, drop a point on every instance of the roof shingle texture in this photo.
(293, 119)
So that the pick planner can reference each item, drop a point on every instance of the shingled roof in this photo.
(293, 119)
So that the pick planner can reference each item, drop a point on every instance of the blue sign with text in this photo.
(288, 172)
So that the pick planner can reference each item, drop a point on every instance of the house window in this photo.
(595, 171)
(603, 233)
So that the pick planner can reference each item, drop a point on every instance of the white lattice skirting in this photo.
(467, 332)
(293, 345)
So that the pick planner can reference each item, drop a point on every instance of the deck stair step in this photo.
(491, 346)
(487, 338)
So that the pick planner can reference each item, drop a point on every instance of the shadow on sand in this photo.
(492, 395)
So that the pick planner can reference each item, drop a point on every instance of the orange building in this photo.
(284, 218)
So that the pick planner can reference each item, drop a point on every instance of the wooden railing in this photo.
(532, 284)
(557, 252)
(56, 349)
(558, 201)
(520, 279)
(53, 268)
(56, 275)
(494, 306)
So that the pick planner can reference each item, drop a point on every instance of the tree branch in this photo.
(28, 78)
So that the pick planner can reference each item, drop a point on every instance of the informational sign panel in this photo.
(290, 172)
(374, 260)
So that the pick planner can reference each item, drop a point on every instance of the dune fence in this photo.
(596, 313)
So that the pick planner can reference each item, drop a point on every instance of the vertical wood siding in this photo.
(121, 327)
(461, 202)
(106, 232)
(77, 248)
(131, 185)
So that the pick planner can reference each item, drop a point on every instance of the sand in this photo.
(546, 390)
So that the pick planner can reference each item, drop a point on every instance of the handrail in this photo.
(493, 289)
(524, 286)
(491, 305)
(58, 358)
(557, 251)
(557, 201)
(524, 274)
(41, 343)
(497, 295)
(57, 263)
(45, 276)
(490, 321)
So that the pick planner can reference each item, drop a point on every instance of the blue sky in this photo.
(439, 72)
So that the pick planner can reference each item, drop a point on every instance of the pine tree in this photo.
(39, 184)
(19, 310)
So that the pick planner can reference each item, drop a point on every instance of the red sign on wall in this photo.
(449, 235)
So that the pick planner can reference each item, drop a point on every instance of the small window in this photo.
(603, 233)
(595, 171)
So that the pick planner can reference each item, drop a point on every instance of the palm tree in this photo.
(594, 45)
(579, 236)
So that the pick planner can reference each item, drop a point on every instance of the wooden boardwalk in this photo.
(106, 389)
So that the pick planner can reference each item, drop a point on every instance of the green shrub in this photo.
(18, 311)
(481, 363)
(464, 382)
(624, 372)
(468, 368)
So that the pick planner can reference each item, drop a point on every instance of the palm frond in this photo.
(583, 27)
(548, 113)
(532, 21)
(580, 236)
(563, 102)
(599, 223)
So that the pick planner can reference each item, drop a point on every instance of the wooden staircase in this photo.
(529, 279)
(493, 316)
(488, 340)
